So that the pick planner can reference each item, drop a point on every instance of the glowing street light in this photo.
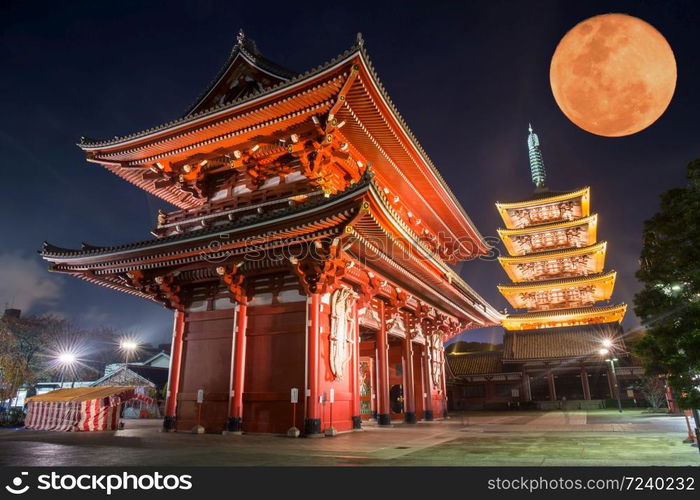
(604, 352)
(66, 358)
(128, 347)
(65, 361)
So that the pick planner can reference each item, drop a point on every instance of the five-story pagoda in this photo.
(551, 350)
(551, 355)
(555, 260)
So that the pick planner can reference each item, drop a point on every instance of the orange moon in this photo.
(613, 75)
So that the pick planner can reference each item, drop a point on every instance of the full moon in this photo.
(613, 75)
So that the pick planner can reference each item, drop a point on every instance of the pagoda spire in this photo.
(536, 162)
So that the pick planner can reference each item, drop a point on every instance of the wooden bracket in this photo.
(169, 292)
(321, 272)
(235, 282)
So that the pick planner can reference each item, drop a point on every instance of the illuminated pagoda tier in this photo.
(560, 292)
(310, 248)
(555, 260)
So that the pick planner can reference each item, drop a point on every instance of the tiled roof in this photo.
(570, 281)
(247, 47)
(565, 313)
(551, 254)
(52, 250)
(475, 363)
(556, 343)
(158, 376)
(88, 143)
(543, 193)
(549, 226)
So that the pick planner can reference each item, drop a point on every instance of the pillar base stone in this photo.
(312, 427)
(410, 417)
(428, 415)
(384, 419)
(169, 424)
(234, 424)
(356, 423)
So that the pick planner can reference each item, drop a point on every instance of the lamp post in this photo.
(604, 352)
(128, 347)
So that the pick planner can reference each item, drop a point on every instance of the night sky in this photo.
(467, 77)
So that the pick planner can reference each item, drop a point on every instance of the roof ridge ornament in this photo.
(537, 170)
(359, 40)
(246, 45)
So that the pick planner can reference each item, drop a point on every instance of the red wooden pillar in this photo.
(174, 373)
(584, 383)
(444, 383)
(355, 370)
(409, 390)
(384, 416)
(235, 412)
(527, 392)
(428, 384)
(551, 387)
(312, 424)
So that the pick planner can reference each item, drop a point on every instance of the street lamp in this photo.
(128, 347)
(604, 352)
(65, 361)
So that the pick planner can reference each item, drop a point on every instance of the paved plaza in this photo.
(580, 438)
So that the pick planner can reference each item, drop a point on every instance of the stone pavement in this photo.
(596, 437)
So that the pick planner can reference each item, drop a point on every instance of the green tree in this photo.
(669, 304)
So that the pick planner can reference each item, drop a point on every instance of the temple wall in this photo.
(206, 365)
(275, 353)
(275, 362)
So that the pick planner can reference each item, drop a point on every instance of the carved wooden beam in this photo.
(322, 270)
(170, 292)
(369, 290)
(235, 282)
(160, 288)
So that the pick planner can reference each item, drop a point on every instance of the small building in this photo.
(152, 377)
(160, 360)
(149, 381)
